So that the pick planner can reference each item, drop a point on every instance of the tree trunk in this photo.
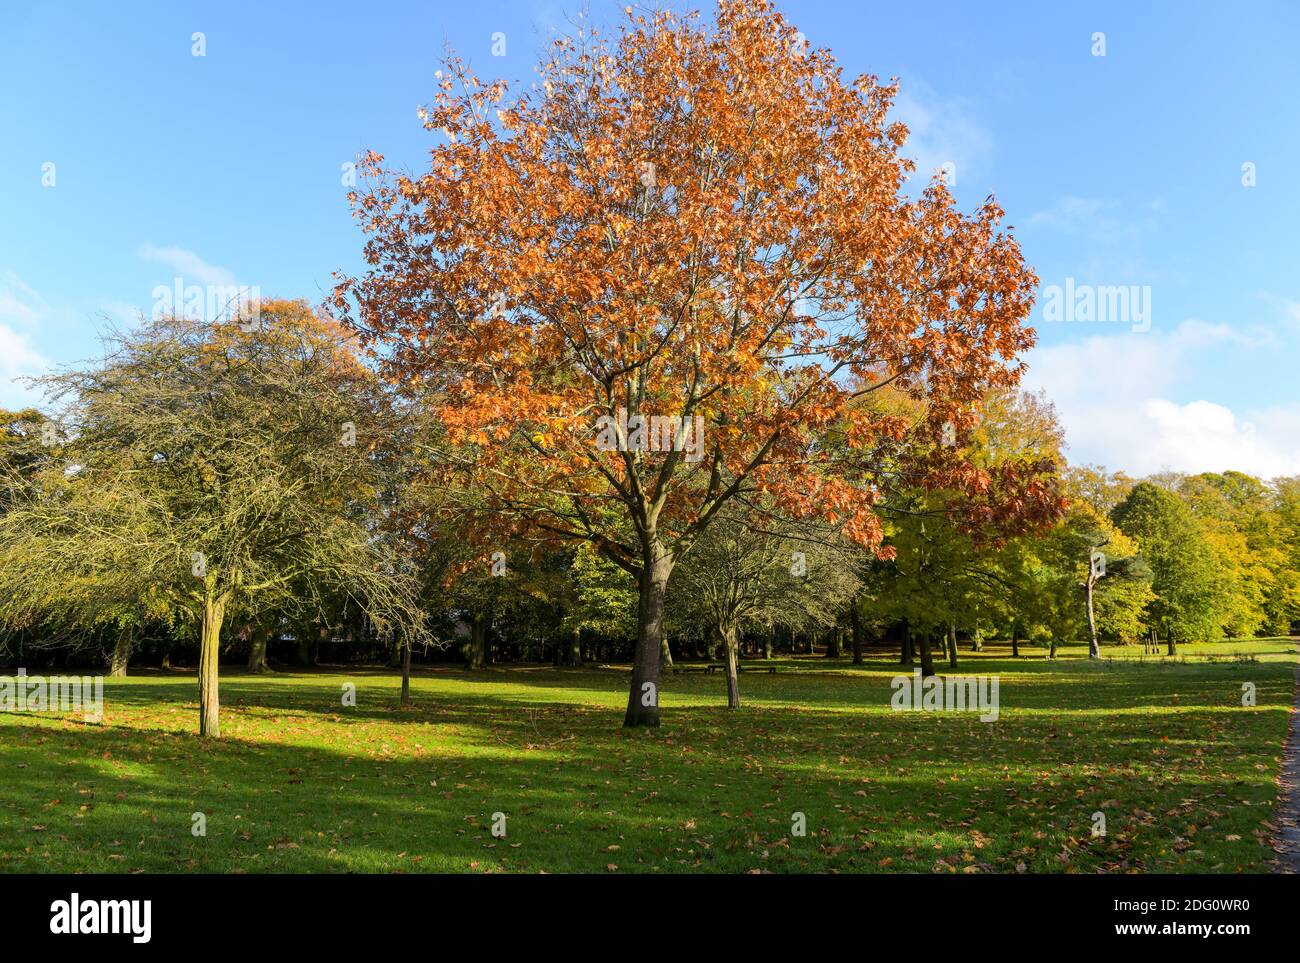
(406, 670)
(121, 652)
(833, 644)
(1173, 646)
(855, 623)
(1015, 639)
(1051, 652)
(727, 636)
(1094, 651)
(952, 645)
(257, 653)
(906, 658)
(643, 694)
(214, 610)
(477, 642)
(927, 657)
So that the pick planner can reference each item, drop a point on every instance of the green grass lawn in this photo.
(1185, 775)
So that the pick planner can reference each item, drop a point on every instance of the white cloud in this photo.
(1101, 220)
(18, 359)
(1203, 436)
(19, 304)
(1114, 395)
(188, 265)
(1070, 213)
(1196, 333)
(22, 310)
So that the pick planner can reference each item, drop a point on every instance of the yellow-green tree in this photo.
(224, 467)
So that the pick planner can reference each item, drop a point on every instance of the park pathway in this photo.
(1289, 811)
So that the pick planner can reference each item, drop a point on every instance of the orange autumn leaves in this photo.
(688, 219)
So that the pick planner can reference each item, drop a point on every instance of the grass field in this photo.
(1185, 775)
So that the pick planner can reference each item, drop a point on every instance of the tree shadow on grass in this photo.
(457, 696)
(293, 789)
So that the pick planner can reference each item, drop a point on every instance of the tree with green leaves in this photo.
(225, 468)
(604, 603)
(949, 571)
(1284, 601)
(27, 440)
(753, 569)
(1243, 519)
(1189, 595)
(1059, 592)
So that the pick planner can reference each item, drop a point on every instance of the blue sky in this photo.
(1117, 170)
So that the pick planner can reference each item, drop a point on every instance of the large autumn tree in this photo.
(689, 220)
